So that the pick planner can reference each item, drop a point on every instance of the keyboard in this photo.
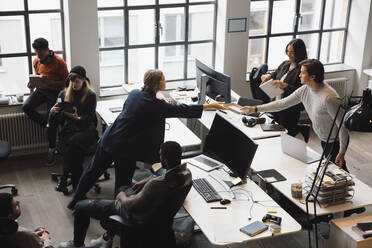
(206, 190)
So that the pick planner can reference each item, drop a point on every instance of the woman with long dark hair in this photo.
(286, 77)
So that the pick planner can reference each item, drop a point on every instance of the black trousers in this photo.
(333, 152)
(74, 146)
(124, 170)
(98, 209)
(288, 119)
(38, 97)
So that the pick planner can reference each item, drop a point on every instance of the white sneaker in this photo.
(101, 243)
(68, 244)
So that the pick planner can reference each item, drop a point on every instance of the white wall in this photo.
(81, 30)
(231, 48)
(358, 53)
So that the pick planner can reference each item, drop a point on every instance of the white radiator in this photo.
(340, 85)
(24, 135)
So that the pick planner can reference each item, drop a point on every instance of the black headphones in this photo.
(7, 226)
(251, 122)
(48, 59)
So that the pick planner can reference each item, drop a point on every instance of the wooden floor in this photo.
(42, 206)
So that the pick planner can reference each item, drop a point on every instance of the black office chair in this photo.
(90, 152)
(4, 153)
(156, 231)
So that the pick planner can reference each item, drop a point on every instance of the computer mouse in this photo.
(225, 201)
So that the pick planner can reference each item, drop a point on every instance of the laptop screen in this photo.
(227, 144)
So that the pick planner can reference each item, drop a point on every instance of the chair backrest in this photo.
(4, 149)
(171, 205)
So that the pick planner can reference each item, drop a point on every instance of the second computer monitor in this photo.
(214, 84)
(231, 146)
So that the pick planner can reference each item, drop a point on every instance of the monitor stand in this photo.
(217, 178)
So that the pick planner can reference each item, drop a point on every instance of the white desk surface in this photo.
(221, 226)
(236, 119)
(270, 156)
(177, 130)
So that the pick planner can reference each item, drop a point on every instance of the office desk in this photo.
(178, 132)
(221, 226)
(236, 119)
(270, 156)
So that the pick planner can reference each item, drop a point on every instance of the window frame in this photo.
(295, 33)
(26, 12)
(157, 44)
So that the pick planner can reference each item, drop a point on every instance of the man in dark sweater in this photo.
(149, 195)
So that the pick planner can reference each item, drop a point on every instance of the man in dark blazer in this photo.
(136, 134)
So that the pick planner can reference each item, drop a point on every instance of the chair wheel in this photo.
(106, 175)
(14, 191)
(97, 189)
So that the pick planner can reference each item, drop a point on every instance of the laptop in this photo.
(298, 149)
(205, 163)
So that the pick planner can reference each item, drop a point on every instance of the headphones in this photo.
(251, 122)
(7, 227)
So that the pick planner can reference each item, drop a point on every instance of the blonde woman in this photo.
(136, 134)
(75, 110)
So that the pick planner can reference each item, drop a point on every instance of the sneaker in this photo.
(51, 157)
(68, 244)
(100, 242)
(62, 187)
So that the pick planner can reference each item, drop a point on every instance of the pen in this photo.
(223, 111)
(218, 207)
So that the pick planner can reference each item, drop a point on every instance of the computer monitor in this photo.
(229, 145)
(214, 84)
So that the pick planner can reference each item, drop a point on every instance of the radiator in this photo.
(25, 136)
(340, 85)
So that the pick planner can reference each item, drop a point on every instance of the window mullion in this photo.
(297, 18)
(322, 9)
(158, 26)
(269, 25)
(126, 40)
(186, 49)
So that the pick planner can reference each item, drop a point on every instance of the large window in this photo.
(135, 36)
(22, 21)
(322, 24)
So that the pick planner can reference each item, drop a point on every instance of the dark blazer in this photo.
(138, 131)
(292, 79)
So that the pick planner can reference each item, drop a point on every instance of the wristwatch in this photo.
(255, 109)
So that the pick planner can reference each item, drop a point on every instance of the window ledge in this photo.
(327, 69)
(337, 68)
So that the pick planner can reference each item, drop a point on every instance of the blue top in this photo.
(138, 131)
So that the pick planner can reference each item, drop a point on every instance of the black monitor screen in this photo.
(229, 145)
(218, 90)
(218, 85)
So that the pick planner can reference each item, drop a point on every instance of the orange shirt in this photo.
(56, 70)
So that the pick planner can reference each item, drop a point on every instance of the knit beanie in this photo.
(80, 71)
(5, 204)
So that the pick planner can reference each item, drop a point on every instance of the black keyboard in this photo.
(206, 190)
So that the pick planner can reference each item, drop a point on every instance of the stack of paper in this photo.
(271, 90)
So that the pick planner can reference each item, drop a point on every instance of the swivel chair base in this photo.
(14, 190)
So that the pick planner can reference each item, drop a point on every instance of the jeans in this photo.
(124, 170)
(98, 209)
(38, 97)
(334, 152)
